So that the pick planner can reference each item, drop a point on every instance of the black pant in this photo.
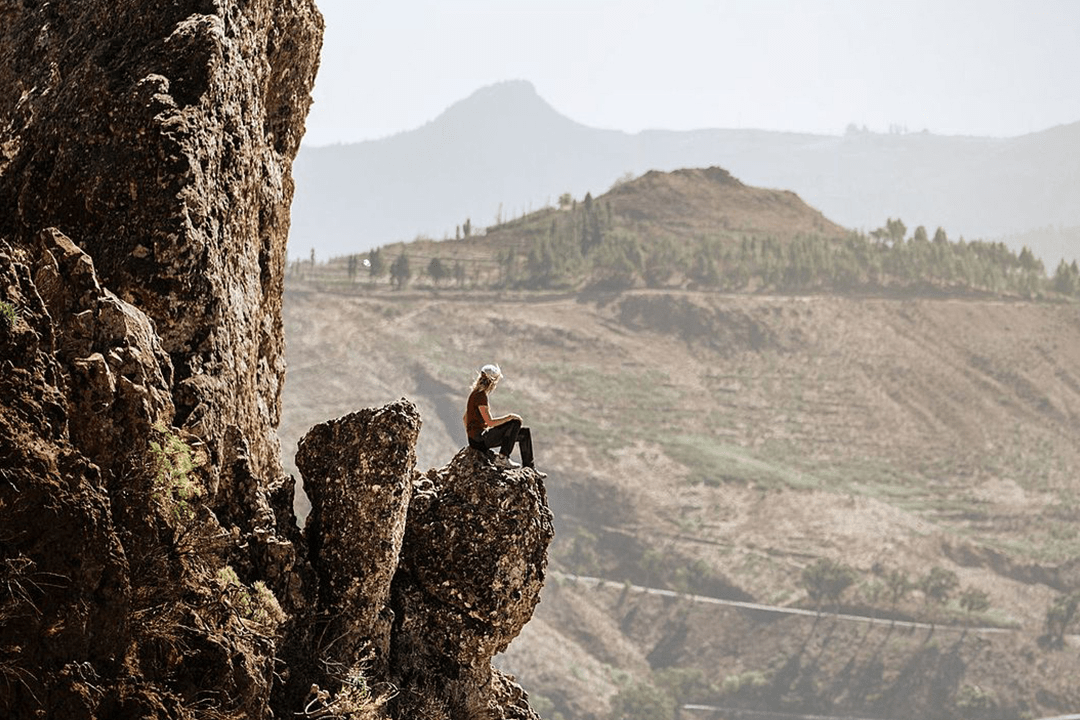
(504, 436)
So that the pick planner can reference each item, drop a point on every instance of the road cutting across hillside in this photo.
(760, 607)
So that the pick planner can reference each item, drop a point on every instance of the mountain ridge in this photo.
(524, 154)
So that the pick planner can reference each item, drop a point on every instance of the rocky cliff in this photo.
(150, 565)
(422, 578)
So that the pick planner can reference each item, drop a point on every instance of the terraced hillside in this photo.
(723, 444)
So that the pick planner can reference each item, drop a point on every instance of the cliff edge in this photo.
(422, 579)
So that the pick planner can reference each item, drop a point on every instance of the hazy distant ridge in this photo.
(505, 146)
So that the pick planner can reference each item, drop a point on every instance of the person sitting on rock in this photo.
(486, 432)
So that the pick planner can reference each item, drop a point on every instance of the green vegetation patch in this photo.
(1055, 542)
(714, 462)
(8, 314)
(175, 485)
(619, 406)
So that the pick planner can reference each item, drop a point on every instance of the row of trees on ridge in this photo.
(586, 246)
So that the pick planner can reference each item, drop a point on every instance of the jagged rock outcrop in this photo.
(442, 570)
(119, 374)
(472, 566)
(145, 183)
(64, 609)
(159, 137)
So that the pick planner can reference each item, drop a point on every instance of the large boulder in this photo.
(358, 474)
(472, 566)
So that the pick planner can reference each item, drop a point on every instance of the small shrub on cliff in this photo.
(973, 600)
(749, 684)
(826, 579)
(974, 702)
(8, 315)
(256, 604)
(355, 700)
(685, 684)
(173, 466)
(20, 582)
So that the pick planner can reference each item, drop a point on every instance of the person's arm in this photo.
(492, 422)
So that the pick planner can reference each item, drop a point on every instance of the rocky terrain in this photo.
(700, 449)
(150, 562)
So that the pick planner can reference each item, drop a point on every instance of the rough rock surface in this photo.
(358, 474)
(119, 373)
(56, 597)
(468, 543)
(472, 567)
(159, 137)
(145, 182)
(150, 562)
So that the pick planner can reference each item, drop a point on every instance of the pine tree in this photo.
(896, 230)
(1067, 278)
(437, 271)
(376, 265)
(400, 272)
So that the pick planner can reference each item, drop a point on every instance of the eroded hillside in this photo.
(722, 444)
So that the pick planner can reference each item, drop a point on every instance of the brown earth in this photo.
(685, 203)
(722, 443)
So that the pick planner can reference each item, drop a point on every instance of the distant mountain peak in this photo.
(507, 89)
(510, 101)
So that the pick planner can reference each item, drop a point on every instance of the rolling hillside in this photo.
(734, 446)
(701, 229)
(721, 444)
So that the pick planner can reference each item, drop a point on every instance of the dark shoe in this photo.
(505, 461)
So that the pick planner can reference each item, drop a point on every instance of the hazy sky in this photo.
(979, 67)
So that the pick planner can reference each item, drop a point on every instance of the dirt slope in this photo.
(723, 443)
(701, 201)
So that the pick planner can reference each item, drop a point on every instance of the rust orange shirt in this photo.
(474, 421)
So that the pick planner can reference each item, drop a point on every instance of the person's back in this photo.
(473, 419)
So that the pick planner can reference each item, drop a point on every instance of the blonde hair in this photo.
(482, 383)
